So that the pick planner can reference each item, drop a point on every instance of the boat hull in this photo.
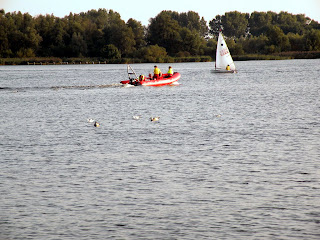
(164, 80)
(223, 71)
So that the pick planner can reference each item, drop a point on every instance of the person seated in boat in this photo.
(156, 72)
(142, 78)
(228, 68)
(170, 72)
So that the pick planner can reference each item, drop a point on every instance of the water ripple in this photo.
(232, 157)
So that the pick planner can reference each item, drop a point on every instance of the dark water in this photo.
(234, 156)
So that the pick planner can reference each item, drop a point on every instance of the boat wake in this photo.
(88, 87)
(127, 85)
(175, 84)
(82, 87)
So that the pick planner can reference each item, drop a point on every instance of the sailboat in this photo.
(224, 61)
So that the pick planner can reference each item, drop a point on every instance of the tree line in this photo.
(103, 34)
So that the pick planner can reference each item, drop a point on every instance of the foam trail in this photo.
(60, 87)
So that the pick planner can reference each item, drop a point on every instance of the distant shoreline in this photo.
(67, 61)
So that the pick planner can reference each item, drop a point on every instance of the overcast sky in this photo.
(143, 10)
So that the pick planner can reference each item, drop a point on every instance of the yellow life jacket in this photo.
(157, 71)
(141, 77)
(170, 71)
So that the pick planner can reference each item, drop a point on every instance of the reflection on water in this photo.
(233, 156)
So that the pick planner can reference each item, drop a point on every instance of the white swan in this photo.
(90, 120)
(136, 117)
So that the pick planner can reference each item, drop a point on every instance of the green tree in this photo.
(290, 23)
(234, 47)
(102, 33)
(110, 51)
(25, 52)
(235, 24)
(190, 20)
(121, 36)
(215, 25)
(312, 24)
(277, 40)
(164, 31)
(98, 18)
(255, 44)
(138, 32)
(5, 50)
(204, 29)
(176, 32)
(58, 44)
(93, 36)
(45, 26)
(210, 48)
(153, 53)
(259, 22)
(78, 45)
(21, 34)
(297, 42)
(190, 41)
(312, 40)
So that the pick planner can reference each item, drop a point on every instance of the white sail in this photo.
(223, 56)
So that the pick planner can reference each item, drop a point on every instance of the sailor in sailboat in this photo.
(224, 61)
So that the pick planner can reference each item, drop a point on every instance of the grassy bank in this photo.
(279, 56)
(60, 61)
(246, 57)
(249, 57)
(301, 55)
(26, 61)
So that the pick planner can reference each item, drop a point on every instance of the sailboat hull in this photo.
(223, 71)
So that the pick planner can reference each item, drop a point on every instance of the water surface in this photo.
(234, 156)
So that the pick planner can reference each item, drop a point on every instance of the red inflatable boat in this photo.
(163, 80)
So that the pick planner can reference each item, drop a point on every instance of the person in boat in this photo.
(170, 71)
(228, 68)
(156, 72)
(142, 78)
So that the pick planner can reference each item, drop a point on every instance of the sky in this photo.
(143, 10)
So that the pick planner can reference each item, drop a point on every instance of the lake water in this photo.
(234, 156)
